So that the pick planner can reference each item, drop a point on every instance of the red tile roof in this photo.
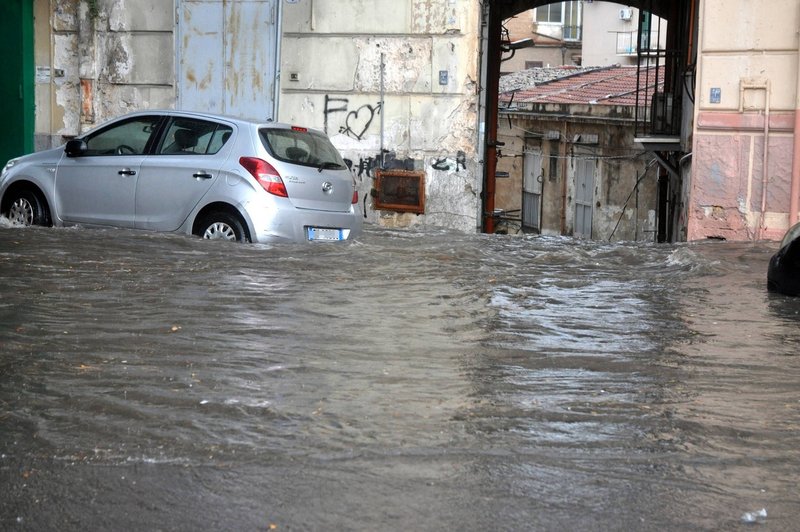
(604, 86)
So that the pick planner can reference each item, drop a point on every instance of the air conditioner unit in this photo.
(626, 13)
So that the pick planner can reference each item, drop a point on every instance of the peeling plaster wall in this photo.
(331, 80)
(618, 165)
(101, 65)
(746, 48)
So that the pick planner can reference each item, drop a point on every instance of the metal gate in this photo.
(532, 191)
(228, 56)
(584, 197)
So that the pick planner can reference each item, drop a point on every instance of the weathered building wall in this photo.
(423, 111)
(547, 51)
(602, 25)
(100, 59)
(625, 185)
(746, 92)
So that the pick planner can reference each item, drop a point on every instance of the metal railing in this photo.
(659, 94)
(572, 33)
(629, 42)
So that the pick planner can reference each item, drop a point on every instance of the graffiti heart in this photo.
(357, 122)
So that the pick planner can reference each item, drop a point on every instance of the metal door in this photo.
(532, 191)
(228, 56)
(584, 197)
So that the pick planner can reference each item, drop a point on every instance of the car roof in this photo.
(241, 121)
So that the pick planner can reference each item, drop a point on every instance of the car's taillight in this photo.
(265, 174)
(355, 196)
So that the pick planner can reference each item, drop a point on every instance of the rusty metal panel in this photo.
(227, 53)
(399, 191)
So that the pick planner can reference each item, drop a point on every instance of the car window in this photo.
(123, 138)
(301, 146)
(191, 136)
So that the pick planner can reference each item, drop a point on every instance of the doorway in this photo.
(532, 192)
(228, 57)
(16, 84)
(584, 198)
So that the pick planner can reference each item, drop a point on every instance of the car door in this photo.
(183, 168)
(99, 186)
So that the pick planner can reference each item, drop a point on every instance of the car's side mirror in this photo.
(75, 148)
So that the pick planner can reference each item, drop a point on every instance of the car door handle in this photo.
(127, 171)
(202, 175)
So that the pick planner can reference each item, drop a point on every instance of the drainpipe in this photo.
(766, 87)
(493, 56)
(383, 110)
(765, 176)
(564, 168)
(794, 197)
(276, 96)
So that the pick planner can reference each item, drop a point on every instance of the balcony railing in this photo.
(629, 42)
(659, 95)
(572, 33)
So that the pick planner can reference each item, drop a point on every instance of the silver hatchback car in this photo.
(207, 175)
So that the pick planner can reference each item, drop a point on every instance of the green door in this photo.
(16, 83)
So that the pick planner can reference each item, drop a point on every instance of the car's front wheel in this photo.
(222, 226)
(26, 207)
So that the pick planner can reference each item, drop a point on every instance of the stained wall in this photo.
(745, 104)
(418, 112)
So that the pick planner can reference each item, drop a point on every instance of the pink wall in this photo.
(727, 171)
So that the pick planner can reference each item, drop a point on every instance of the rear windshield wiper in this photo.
(330, 165)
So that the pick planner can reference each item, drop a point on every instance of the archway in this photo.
(668, 146)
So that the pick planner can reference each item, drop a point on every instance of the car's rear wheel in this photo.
(26, 207)
(221, 225)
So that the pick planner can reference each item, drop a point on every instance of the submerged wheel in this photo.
(27, 208)
(222, 226)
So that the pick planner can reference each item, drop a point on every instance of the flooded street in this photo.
(406, 381)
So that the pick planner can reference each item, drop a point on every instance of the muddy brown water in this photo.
(410, 380)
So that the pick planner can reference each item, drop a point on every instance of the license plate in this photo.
(321, 233)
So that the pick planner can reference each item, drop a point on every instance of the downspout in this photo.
(765, 162)
(276, 97)
(794, 196)
(493, 56)
(765, 176)
(564, 168)
(383, 111)
(766, 87)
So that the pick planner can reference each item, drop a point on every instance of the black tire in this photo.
(220, 225)
(26, 207)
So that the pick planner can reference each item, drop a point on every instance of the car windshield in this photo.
(790, 235)
(301, 146)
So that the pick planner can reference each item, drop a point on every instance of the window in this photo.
(189, 136)
(566, 14)
(645, 24)
(302, 146)
(550, 14)
(553, 174)
(126, 138)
